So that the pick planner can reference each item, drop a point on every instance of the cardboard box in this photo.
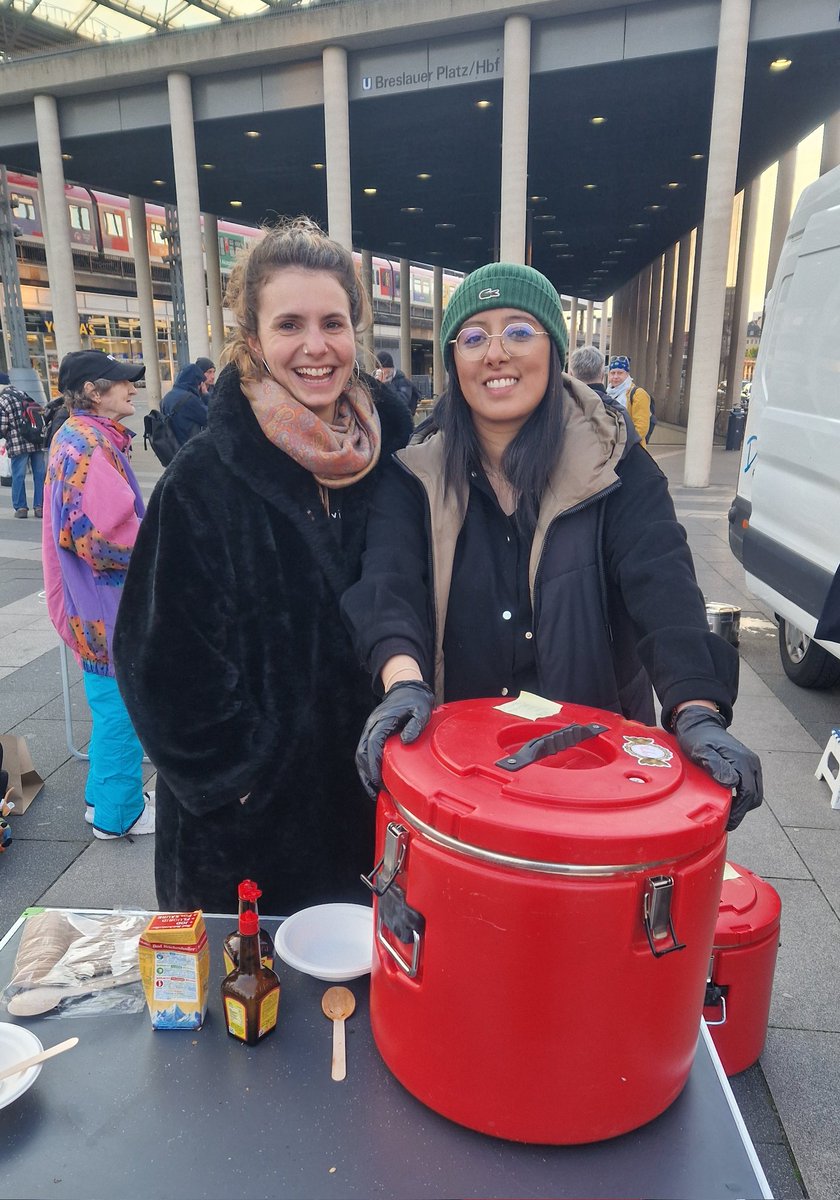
(175, 969)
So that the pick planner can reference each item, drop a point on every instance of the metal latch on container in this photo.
(549, 743)
(659, 924)
(391, 862)
(715, 995)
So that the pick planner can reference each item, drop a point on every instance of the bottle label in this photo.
(236, 1018)
(230, 965)
(268, 1011)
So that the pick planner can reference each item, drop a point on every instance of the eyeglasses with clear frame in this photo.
(517, 339)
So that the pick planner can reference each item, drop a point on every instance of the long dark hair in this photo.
(530, 458)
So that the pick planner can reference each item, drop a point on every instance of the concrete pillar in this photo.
(830, 156)
(405, 317)
(189, 212)
(337, 137)
(367, 338)
(59, 252)
(724, 143)
(672, 404)
(692, 323)
(438, 379)
(659, 383)
(517, 82)
(573, 316)
(590, 323)
(741, 299)
(214, 286)
(653, 325)
(607, 319)
(782, 207)
(638, 359)
(145, 299)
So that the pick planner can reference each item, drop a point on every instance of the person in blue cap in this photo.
(624, 391)
(525, 541)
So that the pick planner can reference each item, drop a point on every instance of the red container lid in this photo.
(623, 797)
(750, 908)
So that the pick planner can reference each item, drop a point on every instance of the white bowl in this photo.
(17, 1043)
(330, 941)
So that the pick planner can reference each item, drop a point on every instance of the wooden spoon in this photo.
(26, 1063)
(338, 1003)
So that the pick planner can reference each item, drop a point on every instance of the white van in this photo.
(785, 519)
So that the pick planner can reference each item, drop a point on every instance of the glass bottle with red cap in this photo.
(251, 992)
(249, 894)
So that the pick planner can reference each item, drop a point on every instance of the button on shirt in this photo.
(488, 642)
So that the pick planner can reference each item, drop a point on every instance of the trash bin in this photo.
(724, 619)
(735, 428)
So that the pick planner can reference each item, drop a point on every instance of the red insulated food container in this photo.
(546, 896)
(742, 965)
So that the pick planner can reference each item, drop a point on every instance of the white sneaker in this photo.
(145, 823)
(89, 813)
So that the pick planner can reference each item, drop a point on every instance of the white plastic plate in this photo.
(17, 1043)
(332, 942)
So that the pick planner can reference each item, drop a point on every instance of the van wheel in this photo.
(804, 662)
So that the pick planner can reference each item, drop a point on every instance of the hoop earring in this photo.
(267, 369)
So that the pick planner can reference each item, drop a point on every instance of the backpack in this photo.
(407, 391)
(159, 434)
(55, 414)
(652, 425)
(29, 418)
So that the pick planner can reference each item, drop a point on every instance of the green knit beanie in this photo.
(504, 285)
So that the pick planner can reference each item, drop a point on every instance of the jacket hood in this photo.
(189, 378)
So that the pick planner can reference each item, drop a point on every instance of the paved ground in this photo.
(791, 1099)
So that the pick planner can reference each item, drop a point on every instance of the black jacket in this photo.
(615, 602)
(184, 404)
(238, 673)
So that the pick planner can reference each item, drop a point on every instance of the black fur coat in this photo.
(238, 673)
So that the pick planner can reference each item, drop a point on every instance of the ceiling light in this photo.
(559, 245)
(780, 64)
(159, 182)
(553, 232)
(590, 187)
(396, 243)
(640, 225)
(411, 209)
(565, 255)
(236, 203)
(672, 187)
(626, 240)
(317, 166)
(67, 157)
(538, 199)
(484, 104)
(444, 225)
(208, 166)
(473, 237)
(252, 133)
(370, 191)
(652, 208)
(597, 120)
(545, 217)
(697, 157)
(424, 175)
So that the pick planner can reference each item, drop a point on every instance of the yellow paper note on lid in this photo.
(530, 707)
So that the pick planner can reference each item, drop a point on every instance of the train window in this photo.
(114, 224)
(157, 234)
(79, 217)
(22, 207)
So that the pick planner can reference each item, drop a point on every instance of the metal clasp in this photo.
(391, 862)
(657, 915)
(715, 995)
(410, 968)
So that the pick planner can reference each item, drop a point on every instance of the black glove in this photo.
(406, 706)
(704, 738)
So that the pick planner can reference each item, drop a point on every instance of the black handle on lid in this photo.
(549, 743)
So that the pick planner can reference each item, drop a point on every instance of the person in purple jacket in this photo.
(92, 512)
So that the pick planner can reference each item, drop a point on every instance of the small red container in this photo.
(543, 932)
(742, 965)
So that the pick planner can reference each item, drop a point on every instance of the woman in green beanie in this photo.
(525, 540)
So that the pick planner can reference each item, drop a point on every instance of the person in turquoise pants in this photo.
(92, 512)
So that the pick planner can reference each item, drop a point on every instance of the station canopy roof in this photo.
(28, 26)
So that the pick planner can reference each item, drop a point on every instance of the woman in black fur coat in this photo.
(230, 651)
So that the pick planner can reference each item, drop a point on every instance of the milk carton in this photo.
(175, 969)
